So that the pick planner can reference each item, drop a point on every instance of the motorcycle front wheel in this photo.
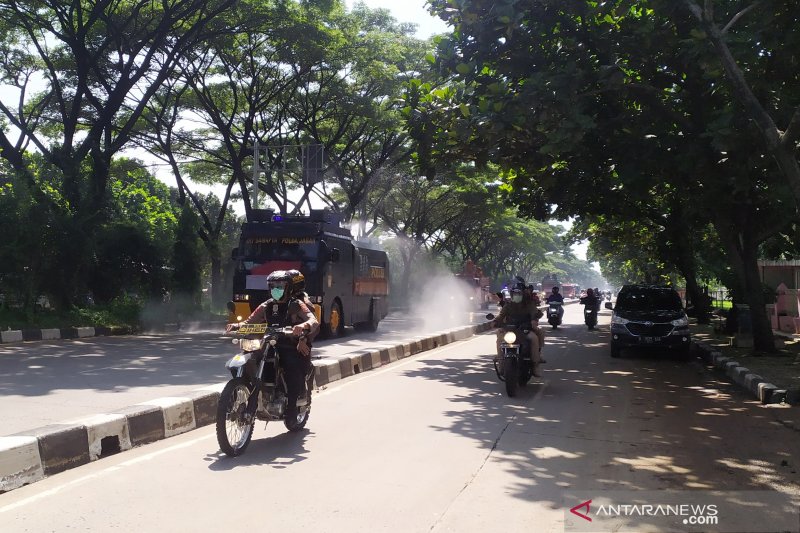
(510, 371)
(233, 431)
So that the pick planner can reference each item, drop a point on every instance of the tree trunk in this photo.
(742, 250)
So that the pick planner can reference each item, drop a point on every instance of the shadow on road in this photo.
(643, 422)
(278, 451)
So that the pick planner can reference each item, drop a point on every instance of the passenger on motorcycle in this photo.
(533, 295)
(591, 301)
(555, 296)
(287, 307)
(522, 310)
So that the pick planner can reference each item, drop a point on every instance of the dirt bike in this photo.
(257, 390)
(514, 365)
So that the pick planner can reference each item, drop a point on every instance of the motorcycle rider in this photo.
(591, 301)
(533, 295)
(518, 311)
(287, 307)
(556, 296)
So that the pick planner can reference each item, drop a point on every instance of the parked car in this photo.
(649, 316)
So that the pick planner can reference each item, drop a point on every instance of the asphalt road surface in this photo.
(47, 382)
(431, 443)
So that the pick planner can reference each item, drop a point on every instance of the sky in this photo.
(408, 11)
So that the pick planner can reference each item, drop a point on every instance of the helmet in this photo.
(589, 292)
(556, 289)
(279, 284)
(519, 282)
(517, 295)
(298, 281)
(283, 284)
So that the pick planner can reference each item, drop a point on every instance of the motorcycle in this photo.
(515, 365)
(590, 316)
(257, 390)
(554, 314)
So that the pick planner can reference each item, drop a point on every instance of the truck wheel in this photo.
(334, 328)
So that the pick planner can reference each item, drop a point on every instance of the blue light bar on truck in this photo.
(277, 218)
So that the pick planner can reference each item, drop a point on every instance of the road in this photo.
(45, 382)
(431, 443)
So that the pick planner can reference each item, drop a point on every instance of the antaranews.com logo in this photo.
(702, 515)
(681, 511)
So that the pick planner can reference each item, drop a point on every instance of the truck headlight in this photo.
(510, 337)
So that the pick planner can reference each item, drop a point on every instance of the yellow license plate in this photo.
(252, 329)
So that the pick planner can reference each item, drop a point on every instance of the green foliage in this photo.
(187, 263)
(123, 312)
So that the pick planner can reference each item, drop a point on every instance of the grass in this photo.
(781, 368)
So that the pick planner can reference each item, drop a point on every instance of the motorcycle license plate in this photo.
(649, 340)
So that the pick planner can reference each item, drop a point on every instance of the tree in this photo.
(776, 26)
(187, 265)
(83, 72)
(563, 94)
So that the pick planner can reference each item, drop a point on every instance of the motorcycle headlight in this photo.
(618, 320)
(510, 337)
(681, 322)
(250, 345)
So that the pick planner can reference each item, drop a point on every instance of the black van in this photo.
(649, 316)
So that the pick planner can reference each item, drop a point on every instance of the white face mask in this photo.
(516, 298)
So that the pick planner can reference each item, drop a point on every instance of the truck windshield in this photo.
(258, 250)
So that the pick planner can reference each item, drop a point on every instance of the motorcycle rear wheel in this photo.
(233, 433)
(299, 422)
(510, 371)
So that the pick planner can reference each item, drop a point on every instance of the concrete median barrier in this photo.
(30, 456)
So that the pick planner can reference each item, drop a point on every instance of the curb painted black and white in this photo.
(30, 456)
(757, 385)
(50, 334)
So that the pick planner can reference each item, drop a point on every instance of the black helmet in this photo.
(556, 289)
(520, 283)
(280, 284)
(298, 281)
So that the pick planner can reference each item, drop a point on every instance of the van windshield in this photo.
(648, 298)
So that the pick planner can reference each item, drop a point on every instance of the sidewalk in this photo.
(773, 378)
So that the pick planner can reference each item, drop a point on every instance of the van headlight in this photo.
(510, 337)
(618, 320)
(681, 322)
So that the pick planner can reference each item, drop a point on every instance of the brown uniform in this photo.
(524, 309)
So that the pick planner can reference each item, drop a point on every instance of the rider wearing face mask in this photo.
(518, 311)
(288, 307)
